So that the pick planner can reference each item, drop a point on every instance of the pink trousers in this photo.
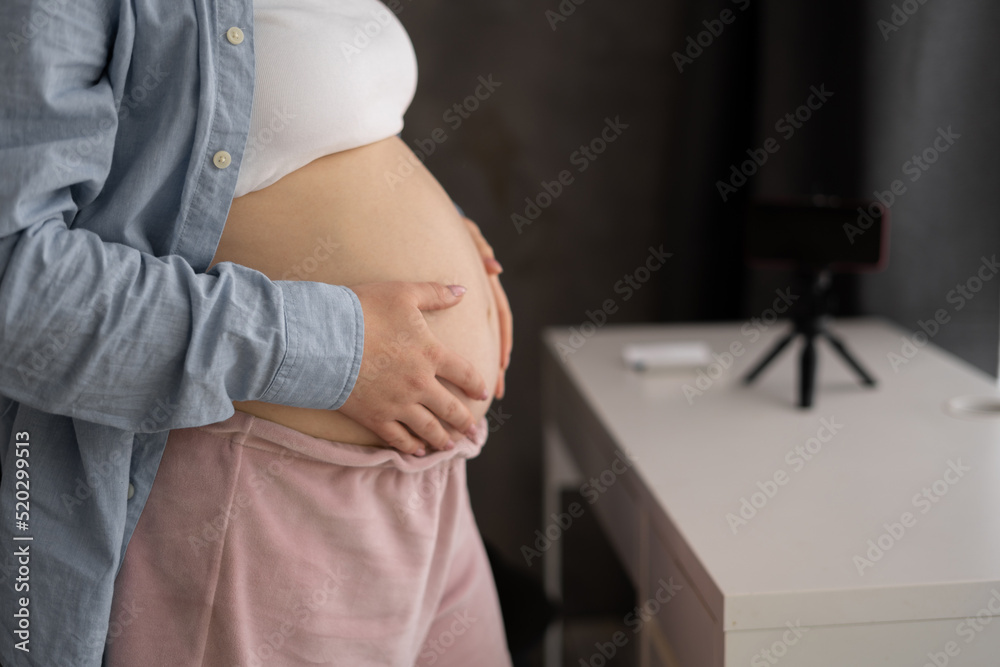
(260, 545)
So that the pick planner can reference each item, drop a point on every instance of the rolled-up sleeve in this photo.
(322, 324)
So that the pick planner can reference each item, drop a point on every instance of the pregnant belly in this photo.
(351, 218)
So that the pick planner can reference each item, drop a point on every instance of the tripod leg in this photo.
(775, 351)
(807, 373)
(839, 346)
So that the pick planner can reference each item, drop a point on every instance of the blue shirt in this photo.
(122, 126)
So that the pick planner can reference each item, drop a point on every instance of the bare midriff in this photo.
(365, 215)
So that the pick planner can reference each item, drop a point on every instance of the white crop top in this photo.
(331, 75)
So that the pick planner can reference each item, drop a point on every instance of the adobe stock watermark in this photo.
(277, 123)
(961, 295)
(32, 25)
(127, 614)
(627, 286)
(427, 490)
(752, 329)
(923, 501)
(635, 620)
(454, 116)
(591, 490)
(898, 17)
(322, 252)
(968, 629)
(363, 34)
(435, 647)
(796, 459)
(914, 168)
(50, 344)
(773, 654)
(273, 642)
(581, 158)
(118, 461)
(71, 158)
(561, 14)
(697, 44)
(786, 126)
(95, 476)
(215, 529)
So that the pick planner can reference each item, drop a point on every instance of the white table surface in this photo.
(794, 558)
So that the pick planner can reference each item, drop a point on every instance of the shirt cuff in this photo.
(324, 338)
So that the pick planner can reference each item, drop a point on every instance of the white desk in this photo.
(793, 562)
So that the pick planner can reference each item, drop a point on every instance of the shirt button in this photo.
(234, 35)
(131, 491)
(222, 159)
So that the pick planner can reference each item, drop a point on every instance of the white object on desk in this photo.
(666, 355)
(811, 491)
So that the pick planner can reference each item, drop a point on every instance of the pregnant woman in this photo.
(292, 536)
(244, 356)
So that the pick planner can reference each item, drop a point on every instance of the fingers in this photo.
(460, 371)
(397, 437)
(452, 411)
(410, 406)
(506, 335)
(493, 267)
(485, 249)
(419, 427)
(426, 426)
(506, 323)
(435, 296)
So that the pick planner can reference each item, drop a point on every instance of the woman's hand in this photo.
(493, 269)
(398, 384)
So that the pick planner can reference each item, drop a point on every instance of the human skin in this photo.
(431, 361)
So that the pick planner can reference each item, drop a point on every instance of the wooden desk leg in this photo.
(559, 473)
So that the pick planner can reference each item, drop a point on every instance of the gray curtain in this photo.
(941, 69)
(916, 111)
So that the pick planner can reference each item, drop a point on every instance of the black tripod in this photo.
(808, 321)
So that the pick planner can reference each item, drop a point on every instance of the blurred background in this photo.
(681, 90)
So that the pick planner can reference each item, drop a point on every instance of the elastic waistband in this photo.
(252, 431)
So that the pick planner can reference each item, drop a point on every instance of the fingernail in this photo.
(471, 432)
(450, 445)
(494, 264)
(457, 290)
(420, 452)
(485, 395)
